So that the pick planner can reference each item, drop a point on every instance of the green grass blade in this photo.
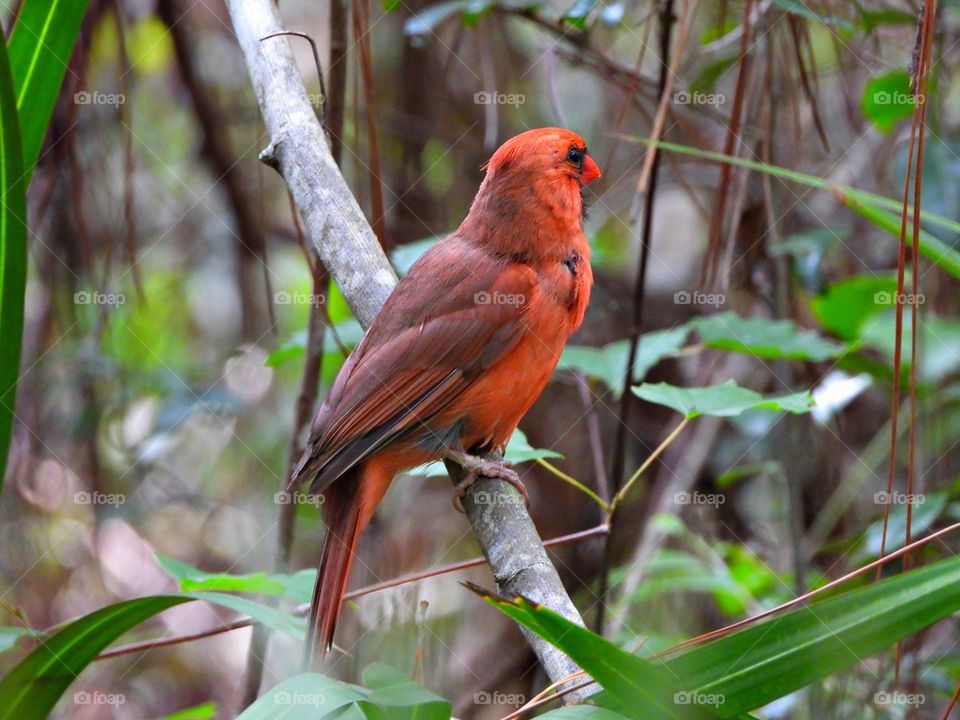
(40, 46)
(939, 252)
(13, 254)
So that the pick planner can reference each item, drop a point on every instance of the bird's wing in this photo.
(452, 316)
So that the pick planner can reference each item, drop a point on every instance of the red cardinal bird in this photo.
(460, 351)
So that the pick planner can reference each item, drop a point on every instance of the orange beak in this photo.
(590, 171)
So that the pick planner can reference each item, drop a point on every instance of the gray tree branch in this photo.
(298, 150)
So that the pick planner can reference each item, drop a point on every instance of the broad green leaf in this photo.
(191, 578)
(788, 652)
(847, 305)
(725, 400)
(13, 253)
(40, 46)
(582, 712)
(887, 99)
(33, 687)
(764, 338)
(635, 686)
(270, 616)
(519, 449)
(308, 696)
(401, 697)
(609, 363)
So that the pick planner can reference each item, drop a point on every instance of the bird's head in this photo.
(544, 155)
(534, 187)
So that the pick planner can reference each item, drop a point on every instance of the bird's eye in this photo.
(575, 155)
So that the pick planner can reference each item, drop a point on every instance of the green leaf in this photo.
(774, 657)
(582, 712)
(943, 255)
(13, 253)
(887, 99)
(205, 711)
(788, 652)
(33, 687)
(518, 451)
(725, 400)
(40, 46)
(636, 687)
(764, 338)
(308, 696)
(930, 246)
(270, 616)
(609, 363)
(402, 697)
(847, 305)
(193, 579)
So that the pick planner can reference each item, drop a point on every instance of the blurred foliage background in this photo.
(170, 289)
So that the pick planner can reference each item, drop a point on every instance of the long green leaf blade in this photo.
(13, 254)
(33, 687)
(40, 46)
(769, 660)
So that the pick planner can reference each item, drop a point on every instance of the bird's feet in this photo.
(475, 467)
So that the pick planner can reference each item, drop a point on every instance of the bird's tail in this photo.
(342, 510)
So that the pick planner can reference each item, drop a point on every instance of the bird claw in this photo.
(475, 467)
